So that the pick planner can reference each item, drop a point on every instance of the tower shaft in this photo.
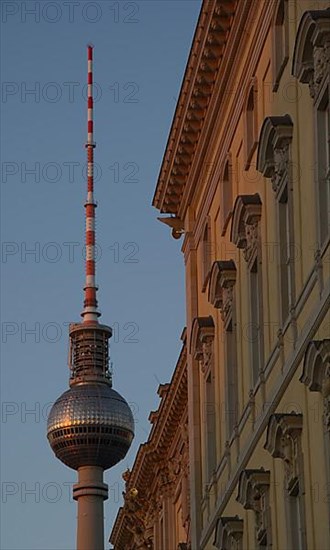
(90, 492)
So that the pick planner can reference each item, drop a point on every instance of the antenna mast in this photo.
(90, 312)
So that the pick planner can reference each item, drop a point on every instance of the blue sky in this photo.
(141, 49)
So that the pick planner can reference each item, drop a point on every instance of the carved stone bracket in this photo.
(284, 441)
(221, 287)
(136, 523)
(253, 494)
(274, 149)
(201, 342)
(311, 58)
(245, 231)
(167, 477)
(228, 531)
(316, 374)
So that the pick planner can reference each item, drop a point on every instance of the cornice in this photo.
(205, 58)
(214, 116)
(226, 83)
(225, 86)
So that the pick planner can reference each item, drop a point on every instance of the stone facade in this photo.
(256, 91)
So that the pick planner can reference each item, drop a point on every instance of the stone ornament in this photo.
(253, 494)
(201, 343)
(228, 533)
(311, 58)
(316, 374)
(284, 441)
(245, 229)
(274, 150)
(221, 287)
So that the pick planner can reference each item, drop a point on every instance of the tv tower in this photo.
(90, 426)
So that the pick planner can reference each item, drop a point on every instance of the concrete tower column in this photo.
(90, 492)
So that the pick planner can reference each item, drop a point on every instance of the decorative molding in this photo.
(316, 374)
(253, 494)
(201, 342)
(167, 479)
(221, 286)
(228, 530)
(284, 441)
(311, 58)
(245, 233)
(250, 486)
(273, 152)
(316, 364)
(135, 520)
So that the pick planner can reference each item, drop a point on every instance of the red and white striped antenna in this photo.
(90, 312)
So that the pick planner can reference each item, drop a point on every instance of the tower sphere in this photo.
(91, 424)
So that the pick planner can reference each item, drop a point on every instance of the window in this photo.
(245, 234)
(285, 260)
(161, 534)
(295, 515)
(274, 161)
(206, 255)
(251, 123)
(280, 42)
(202, 342)
(255, 322)
(222, 296)
(210, 425)
(226, 196)
(284, 441)
(323, 152)
(231, 408)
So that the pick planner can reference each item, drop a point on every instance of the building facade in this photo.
(156, 507)
(245, 182)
